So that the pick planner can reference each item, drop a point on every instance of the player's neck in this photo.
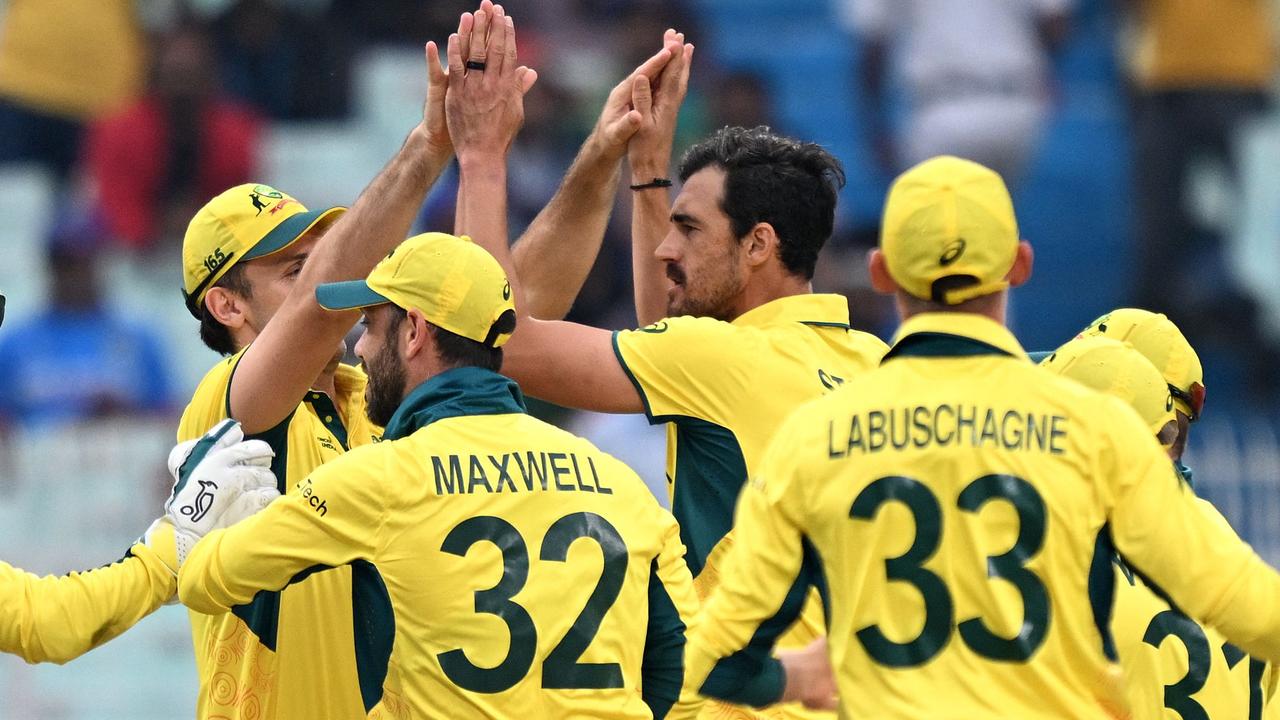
(326, 384)
(756, 294)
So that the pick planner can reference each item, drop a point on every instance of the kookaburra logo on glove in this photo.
(219, 479)
(200, 506)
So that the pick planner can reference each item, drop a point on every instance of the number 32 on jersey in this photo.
(560, 669)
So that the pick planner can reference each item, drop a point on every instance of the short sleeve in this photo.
(687, 367)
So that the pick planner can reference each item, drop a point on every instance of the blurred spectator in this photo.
(975, 75)
(62, 63)
(77, 359)
(740, 98)
(1201, 69)
(407, 22)
(283, 58)
(543, 154)
(157, 161)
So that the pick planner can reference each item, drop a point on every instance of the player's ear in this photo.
(415, 335)
(227, 307)
(761, 243)
(881, 281)
(1021, 270)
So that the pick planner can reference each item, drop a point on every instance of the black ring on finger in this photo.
(475, 65)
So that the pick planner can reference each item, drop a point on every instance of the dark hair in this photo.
(214, 334)
(458, 351)
(979, 305)
(777, 180)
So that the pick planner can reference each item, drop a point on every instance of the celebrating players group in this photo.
(940, 528)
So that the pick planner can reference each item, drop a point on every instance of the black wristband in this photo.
(654, 183)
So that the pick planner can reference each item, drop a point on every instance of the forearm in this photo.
(57, 619)
(649, 222)
(555, 254)
(381, 217)
(296, 345)
(264, 552)
(482, 201)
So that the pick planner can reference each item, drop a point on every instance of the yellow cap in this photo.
(1156, 337)
(246, 222)
(1116, 368)
(454, 283)
(949, 217)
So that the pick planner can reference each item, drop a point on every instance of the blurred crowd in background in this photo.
(1123, 127)
(1139, 138)
(133, 113)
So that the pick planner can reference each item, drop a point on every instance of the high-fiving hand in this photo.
(630, 103)
(484, 105)
(658, 106)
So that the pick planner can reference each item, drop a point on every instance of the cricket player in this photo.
(964, 503)
(747, 339)
(515, 569)
(1161, 342)
(1174, 666)
(1118, 369)
(58, 619)
(253, 259)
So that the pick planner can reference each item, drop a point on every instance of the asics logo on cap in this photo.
(952, 252)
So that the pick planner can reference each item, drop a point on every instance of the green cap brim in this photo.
(349, 295)
(284, 234)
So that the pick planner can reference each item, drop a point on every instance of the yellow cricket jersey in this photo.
(723, 389)
(508, 568)
(58, 619)
(1176, 668)
(963, 504)
(288, 653)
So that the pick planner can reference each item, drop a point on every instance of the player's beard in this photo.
(387, 379)
(709, 295)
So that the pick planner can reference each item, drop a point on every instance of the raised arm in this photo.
(299, 340)
(562, 362)
(649, 154)
(556, 252)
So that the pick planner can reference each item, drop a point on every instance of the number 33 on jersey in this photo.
(959, 505)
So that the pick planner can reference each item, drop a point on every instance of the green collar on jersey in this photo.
(1184, 471)
(936, 344)
(455, 393)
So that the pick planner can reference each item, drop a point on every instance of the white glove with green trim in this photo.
(219, 480)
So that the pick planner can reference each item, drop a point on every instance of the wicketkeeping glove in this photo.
(219, 480)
